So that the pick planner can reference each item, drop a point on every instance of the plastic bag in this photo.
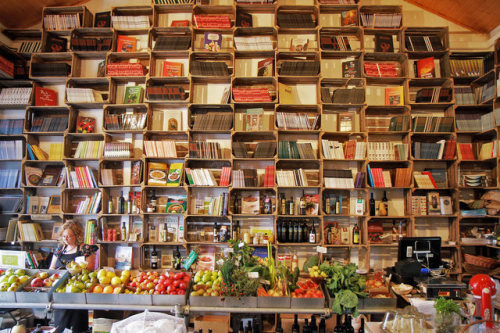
(150, 322)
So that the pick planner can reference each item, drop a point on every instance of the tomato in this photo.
(163, 277)
(179, 276)
(171, 274)
(159, 287)
(170, 289)
(174, 292)
(168, 282)
(176, 283)
(183, 286)
(186, 279)
(140, 279)
(318, 294)
(181, 292)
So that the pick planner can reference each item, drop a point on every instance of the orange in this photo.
(97, 289)
(108, 290)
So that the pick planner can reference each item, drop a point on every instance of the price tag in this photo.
(241, 244)
(230, 250)
(220, 262)
(321, 249)
(253, 275)
(79, 259)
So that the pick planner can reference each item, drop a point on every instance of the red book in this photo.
(425, 68)
(450, 149)
(45, 97)
(126, 44)
(180, 23)
(428, 173)
(172, 68)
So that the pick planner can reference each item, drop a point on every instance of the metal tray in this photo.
(101, 298)
(371, 303)
(27, 296)
(310, 303)
(240, 302)
(214, 301)
(135, 299)
(170, 299)
(69, 298)
(10, 296)
(273, 302)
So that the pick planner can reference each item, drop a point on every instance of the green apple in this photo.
(13, 278)
(9, 272)
(20, 272)
(4, 278)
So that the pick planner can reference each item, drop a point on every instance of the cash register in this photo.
(419, 258)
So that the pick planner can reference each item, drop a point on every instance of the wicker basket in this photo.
(481, 261)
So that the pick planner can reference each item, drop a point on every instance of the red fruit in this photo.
(168, 282)
(171, 274)
(176, 283)
(155, 281)
(159, 287)
(186, 279)
(140, 279)
(37, 283)
(183, 286)
(179, 276)
(170, 289)
(173, 292)
(162, 277)
(181, 292)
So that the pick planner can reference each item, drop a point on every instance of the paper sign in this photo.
(253, 275)
(321, 249)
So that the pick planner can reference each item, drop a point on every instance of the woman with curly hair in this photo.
(71, 248)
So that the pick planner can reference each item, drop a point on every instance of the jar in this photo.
(246, 238)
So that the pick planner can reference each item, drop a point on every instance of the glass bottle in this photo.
(355, 234)
(121, 204)
(300, 231)
(305, 232)
(279, 329)
(236, 231)
(215, 233)
(283, 205)
(306, 328)
(124, 232)
(313, 327)
(291, 207)
(177, 258)
(154, 258)
(362, 328)
(295, 326)
(338, 328)
(383, 207)
(327, 204)
(267, 205)
(302, 205)
(322, 326)
(371, 203)
(348, 325)
(279, 231)
(296, 235)
(312, 234)
(240, 330)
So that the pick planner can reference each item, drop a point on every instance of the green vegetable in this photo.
(446, 306)
(313, 261)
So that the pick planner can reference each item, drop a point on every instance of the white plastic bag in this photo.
(150, 322)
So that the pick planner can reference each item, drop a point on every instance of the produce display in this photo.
(307, 289)
(11, 280)
(154, 283)
(44, 280)
(207, 283)
(79, 283)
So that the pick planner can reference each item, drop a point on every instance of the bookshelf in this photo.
(320, 76)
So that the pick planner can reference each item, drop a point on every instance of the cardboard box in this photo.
(218, 324)
(102, 325)
(287, 321)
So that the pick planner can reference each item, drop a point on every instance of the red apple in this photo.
(37, 283)
(47, 282)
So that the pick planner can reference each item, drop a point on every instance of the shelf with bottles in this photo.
(44, 121)
(127, 65)
(430, 93)
(208, 201)
(87, 93)
(201, 231)
(293, 202)
(297, 118)
(164, 201)
(125, 118)
(63, 19)
(345, 175)
(176, 16)
(345, 203)
(208, 118)
(210, 90)
(389, 202)
(255, 231)
(166, 90)
(207, 173)
(298, 231)
(385, 41)
(132, 17)
(91, 43)
(122, 228)
(343, 147)
(170, 64)
(342, 232)
(220, 17)
(247, 146)
(212, 41)
(164, 257)
(387, 232)
(249, 202)
(51, 67)
(24, 41)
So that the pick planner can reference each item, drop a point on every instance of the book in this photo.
(253, 120)
(394, 96)
(85, 124)
(349, 17)
(425, 68)
(244, 19)
(54, 205)
(133, 95)
(384, 43)
(102, 20)
(265, 67)
(350, 69)
(123, 257)
(33, 175)
(212, 41)
(180, 23)
(286, 95)
(50, 176)
(45, 97)
(56, 44)
(126, 44)
(172, 69)
(176, 204)
(250, 202)
(174, 174)
(157, 173)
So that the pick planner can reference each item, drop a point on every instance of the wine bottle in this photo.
(288, 232)
(235, 230)
(305, 232)
(249, 325)
(267, 205)
(362, 327)
(124, 232)
(236, 204)
(279, 225)
(130, 199)
(283, 205)
(302, 204)
(215, 233)
(338, 328)
(300, 231)
(295, 326)
(240, 330)
(372, 205)
(382, 210)
(177, 258)
(306, 328)
(121, 204)
(327, 204)
(256, 328)
(322, 326)
(348, 325)
(154, 258)
(209, 330)
(279, 329)
(291, 207)
(312, 234)
(296, 235)
(355, 234)
(313, 326)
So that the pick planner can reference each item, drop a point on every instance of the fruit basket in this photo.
(204, 290)
(308, 295)
(11, 281)
(40, 287)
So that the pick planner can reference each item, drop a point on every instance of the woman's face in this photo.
(68, 237)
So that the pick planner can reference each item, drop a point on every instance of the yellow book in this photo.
(486, 151)
(39, 153)
(286, 94)
(55, 152)
(174, 174)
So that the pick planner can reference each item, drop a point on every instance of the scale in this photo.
(434, 287)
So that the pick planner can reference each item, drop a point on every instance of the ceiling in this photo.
(480, 16)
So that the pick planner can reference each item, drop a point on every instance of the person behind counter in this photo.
(71, 248)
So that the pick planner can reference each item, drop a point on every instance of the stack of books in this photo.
(61, 22)
(15, 95)
(80, 177)
(89, 149)
(130, 22)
